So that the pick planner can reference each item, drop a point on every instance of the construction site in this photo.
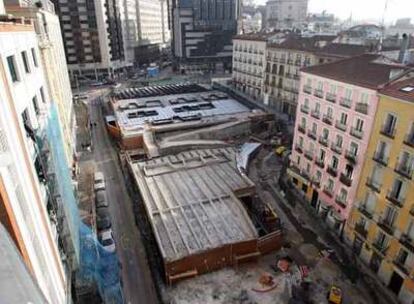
(196, 165)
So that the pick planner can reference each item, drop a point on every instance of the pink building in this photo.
(336, 108)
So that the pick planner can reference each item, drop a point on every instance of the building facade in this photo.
(286, 14)
(52, 58)
(248, 64)
(381, 225)
(335, 114)
(202, 33)
(92, 36)
(27, 204)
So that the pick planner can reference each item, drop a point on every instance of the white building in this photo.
(286, 14)
(24, 199)
(52, 55)
(248, 63)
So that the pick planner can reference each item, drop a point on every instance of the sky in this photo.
(362, 9)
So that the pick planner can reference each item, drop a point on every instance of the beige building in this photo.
(52, 58)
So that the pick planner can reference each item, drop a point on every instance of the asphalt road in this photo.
(138, 283)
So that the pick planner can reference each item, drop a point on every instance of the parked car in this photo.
(101, 200)
(103, 223)
(107, 240)
(99, 181)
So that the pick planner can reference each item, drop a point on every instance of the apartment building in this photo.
(336, 109)
(248, 63)
(92, 36)
(381, 225)
(52, 58)
(286, 14)
(202, 33)
(30, 209)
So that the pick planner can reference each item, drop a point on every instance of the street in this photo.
(137, 279)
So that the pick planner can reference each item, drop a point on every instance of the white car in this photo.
(99, 181)
(107, 240)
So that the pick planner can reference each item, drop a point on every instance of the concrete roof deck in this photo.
(133, 114)
(191, 203)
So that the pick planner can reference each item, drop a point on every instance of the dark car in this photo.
(101, 199)
(103, 223)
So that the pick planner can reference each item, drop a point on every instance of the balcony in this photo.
(302, 129)
(361, 230)
(373, 185)
(307, 89)
(345, 102)
(345, 179)
(409, 139)
(298, 63)
(364, 210)
(388, 131)
(309, 155)
(282, 60)
(404, 169)
(380, 247)
(357, 133)
(305, 174)
(350, 156)
(312, 134)
(406, 240)
(316, 182)
(386, 225)
(299, 148)
(328, 191)
(332, 171)
(318, 93)
(290, 61)
(336, 148)
(323, 141)
(401, 266)
(330, 97)
(304, 109)
(380, 158)
(396, 199)
(361, 108)
(320, 163)
(340, 125)
(315, 114)
(340, 201)
(327, 119)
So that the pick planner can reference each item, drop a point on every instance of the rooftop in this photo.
(343, 50)
(367, 70)
(401, 89)
(133, 114)
(191, 201)
(309, 44)
(254, 36)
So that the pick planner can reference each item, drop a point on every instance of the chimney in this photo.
(404, 46)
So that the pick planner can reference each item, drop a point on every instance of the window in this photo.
(25, 62)
(309, 82)
(34, 57)
(300, 141)
(389, 215)
(318, 175)
(11, 62)
(349, 170)
(329, 112)
(320, 85)
(344, 118)
(314, 128)
(402, 257)
(317, 107)
(354, 148)
(330, 184)
(390, 123)
(306, 103)
(339, 141)
(364, 98)
(322, 155)
(325, 133)
(398, 189)
(343, 195)
(42, 95)
(348, 94)
(334, 162)
(35, 105)
(303, 122)
(332, 89)
(359, 124)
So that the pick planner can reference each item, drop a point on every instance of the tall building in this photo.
(92, 36)
(52, 58)
(335, 115)
(35, 197)
(286, 14)
(381, 226)
(203, 32)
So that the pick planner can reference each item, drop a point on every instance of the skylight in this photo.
(407, 89)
